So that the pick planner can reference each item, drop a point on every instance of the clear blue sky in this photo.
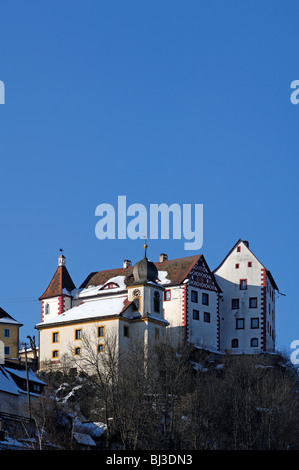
(161, 101)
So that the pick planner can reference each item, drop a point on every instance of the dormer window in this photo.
(111, 285)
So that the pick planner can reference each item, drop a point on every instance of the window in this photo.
(254, 342)
(55, 337)
(235, 343)
(253, 302)
(55, 354)
(243, 284)
(195, 314)
(167, 295)
(47, 309)
(6, 350)
(101, 347)
(78, 351)
(78, 334)
(237, 265)
(111, 285)
(126, 331)
(207, 317)
(6, 333)
(254, 323)
(36, 388)
(194, 296)
(238, 249)
(157, 334)
(156, 302)
(101, 331)
(205, 299)
(240, 323)
(235, 304)
(249, 264)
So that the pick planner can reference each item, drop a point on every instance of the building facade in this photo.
(231, 309)
(247, 306)
(9, 336)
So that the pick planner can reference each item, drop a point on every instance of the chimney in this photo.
(127, 263)
(163, 257)
(246, 243)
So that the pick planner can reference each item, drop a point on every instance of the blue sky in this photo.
(174, 102)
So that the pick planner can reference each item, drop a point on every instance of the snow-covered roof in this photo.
(84, 439)
(162, 275)
(111, 306)
(5, 318)
(7, 384)
(22, 375)
(9, 321)
(91, 291)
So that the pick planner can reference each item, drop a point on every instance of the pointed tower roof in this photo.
(61, 282)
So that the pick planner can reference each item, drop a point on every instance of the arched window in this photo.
(156, 302)
(235, 343)
(254, 342)
(78, 351)
(47, 309)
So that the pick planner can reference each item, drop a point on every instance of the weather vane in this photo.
(145, 245)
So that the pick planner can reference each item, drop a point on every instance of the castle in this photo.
(228, 310)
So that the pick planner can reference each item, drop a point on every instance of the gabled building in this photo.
(191, 300)
(9, 336)
(130, 302)
(247, 307)
(109, 306)
(231, 309)
(13, 390)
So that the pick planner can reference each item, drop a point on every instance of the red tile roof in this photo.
(61, 280)
(177, 270)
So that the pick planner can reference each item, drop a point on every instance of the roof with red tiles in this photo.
(177, 271)
(60, 281)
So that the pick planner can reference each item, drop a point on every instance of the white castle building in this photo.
(247, 307)
(229, 310)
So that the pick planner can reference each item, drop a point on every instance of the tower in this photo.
(145, 292)
(58, 296)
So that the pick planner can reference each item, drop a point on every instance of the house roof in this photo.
(111, 306)
(170, 272)
(61, 283)
(246, 244)
(177, 269)
(6, 318)
(7, 384)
